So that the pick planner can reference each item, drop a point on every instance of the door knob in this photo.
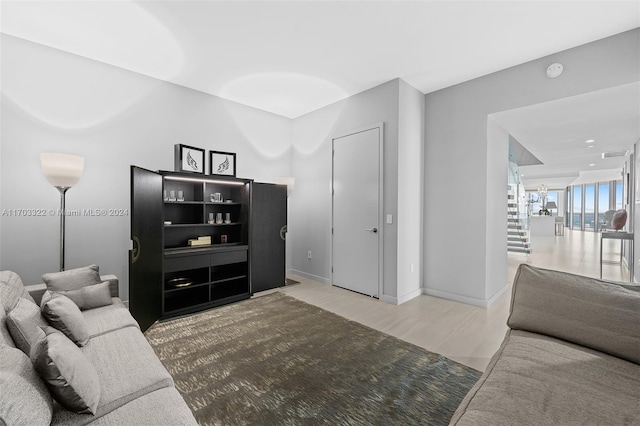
(374, 230)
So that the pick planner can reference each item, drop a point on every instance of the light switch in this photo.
(389, 219)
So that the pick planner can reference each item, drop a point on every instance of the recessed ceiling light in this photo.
(590, 141)
(590, 146)
(592, 164)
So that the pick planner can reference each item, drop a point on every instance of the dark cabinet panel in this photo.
(145, 259)
(268, 226)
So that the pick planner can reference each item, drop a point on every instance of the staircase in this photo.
(517, 229)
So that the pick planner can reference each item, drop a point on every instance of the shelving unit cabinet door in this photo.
(268, 217)
(145, 259)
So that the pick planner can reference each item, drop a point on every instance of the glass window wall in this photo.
(587, 204)
(618, 195)
(603, 202)
(576, 222)
(589, 207)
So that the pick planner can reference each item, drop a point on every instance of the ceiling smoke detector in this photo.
(614, 154)
(554, 70)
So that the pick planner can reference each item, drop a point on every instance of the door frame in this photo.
(380, 127)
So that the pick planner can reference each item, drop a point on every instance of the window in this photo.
(619, 199)
(603, 202)
(576, 219)
(589, 207)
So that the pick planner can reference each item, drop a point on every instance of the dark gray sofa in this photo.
(571, 356)
(135, 387)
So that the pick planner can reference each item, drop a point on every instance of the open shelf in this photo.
(189, 297)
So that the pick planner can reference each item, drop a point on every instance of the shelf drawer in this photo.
(227, 257)
(184, 263)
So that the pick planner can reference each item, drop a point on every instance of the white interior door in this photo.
(356, 236)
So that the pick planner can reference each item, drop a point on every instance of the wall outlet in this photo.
(309, 254)
(411, 268)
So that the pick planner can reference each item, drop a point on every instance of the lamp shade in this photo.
(62, 170)
(551, 205)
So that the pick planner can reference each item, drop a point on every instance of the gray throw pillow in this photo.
(72, 279)
(91, 296)
(12, 289)
(69, 375)
(64, 315)
(25, 399)
(24, 322)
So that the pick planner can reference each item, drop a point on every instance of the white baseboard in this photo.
(310, 276)
(400, 300)
(389, 299)
(464, 299)
(496, 296)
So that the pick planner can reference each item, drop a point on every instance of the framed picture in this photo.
(189, 159)
(222, 163)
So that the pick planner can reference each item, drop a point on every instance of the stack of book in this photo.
(201, 241)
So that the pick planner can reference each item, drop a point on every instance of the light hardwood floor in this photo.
(464, 333)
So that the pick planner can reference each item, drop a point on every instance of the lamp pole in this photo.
(63, 191)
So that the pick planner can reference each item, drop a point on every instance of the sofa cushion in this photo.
(586, 311)
(546, 381)
(12, 289)
(25, 399)
(72, 279)
(68, 373)
(5, 336)
(127, 368)
(151, 410)
(65, 316)
(108, 318)
(24, 323)
(91, 296)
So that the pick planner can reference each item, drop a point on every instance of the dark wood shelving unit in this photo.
(216, 274)
(245, 255)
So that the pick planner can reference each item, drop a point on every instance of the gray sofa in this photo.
(571, 356)
(135, 388)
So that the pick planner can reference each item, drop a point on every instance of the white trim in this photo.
(464, 299)
(496, 296)
(389, 299)
(310, 276)
(409, 296)
(401, 300)
(380, 127)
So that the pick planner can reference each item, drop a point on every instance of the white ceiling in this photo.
(557, 133)
(293, 57)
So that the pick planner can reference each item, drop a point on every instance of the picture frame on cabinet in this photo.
(222, 163)
(189, 159)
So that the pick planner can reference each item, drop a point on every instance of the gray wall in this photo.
(410, 200)
(57, 102)
(311, 203)
(457, 164)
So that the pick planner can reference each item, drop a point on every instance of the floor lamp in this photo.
(62, 171)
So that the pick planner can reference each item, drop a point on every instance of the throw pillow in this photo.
(69, 375)
(65, 316)
(91, 296)
(26, 400)
(72, 279)
(5, 336)
(12, 289)
(24, 322)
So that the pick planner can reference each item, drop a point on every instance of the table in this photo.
(619, 235)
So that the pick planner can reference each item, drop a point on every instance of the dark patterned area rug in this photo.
(274, 360)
